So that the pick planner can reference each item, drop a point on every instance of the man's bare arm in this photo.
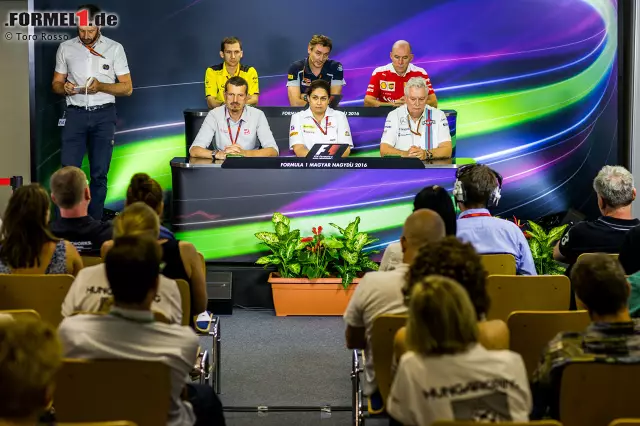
(300, 150)
(212, 102)
(294, 96)
(253, 99)
(370, 101)
(386, 149)
(124, 86)
(432, 100)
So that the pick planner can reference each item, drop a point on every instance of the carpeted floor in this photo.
(284, 361)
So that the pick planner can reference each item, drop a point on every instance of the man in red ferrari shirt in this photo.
(386, 87)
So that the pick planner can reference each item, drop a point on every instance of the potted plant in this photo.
(316, 274)
(541, 244)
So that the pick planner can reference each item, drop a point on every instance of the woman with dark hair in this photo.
(318, 124)
(180, 257)
(434, 198)
(27, 246)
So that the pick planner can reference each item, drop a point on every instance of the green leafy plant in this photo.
(317, 256)
(541, 244)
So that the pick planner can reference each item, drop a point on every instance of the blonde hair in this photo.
(30, 356)
(442, 319)
(137, 219)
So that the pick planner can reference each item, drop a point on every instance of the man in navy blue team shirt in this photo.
(317, 66)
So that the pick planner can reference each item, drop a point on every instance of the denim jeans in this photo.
(93, 131)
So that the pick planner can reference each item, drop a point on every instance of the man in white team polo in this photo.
(416, 129)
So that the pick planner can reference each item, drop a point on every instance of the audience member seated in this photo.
(447, 374)
(454, 259)
(70, 192)
(615, 191)
(435, 198)
(602, 289)
(478, 188)
(381, 293)
(30, 356)
(129, 331)
(27, 246)
(180, 257)
(90, 292)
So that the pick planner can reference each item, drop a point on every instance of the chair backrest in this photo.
(531, 331)
(107, 390)
(595, 394)
(499, 264)
(625, 422)
(91, 260)
(383, 332)
(467, 423)
(509, 293)
(587, 255)
(42, 293)
(185, 297)
(20, 314)
(114, 423)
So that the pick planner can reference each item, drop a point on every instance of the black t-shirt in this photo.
(603, 235)
(300, 74)
(630, 252)
(85, 233)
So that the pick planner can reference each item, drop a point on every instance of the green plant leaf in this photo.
(302, 244)
(312, 272)
(341, 270)
(537, 230)
(293, 235)
(555, 234)
(332, 243)
(369, 264)
(295, 268)
(338, 228)
(268, 237)
(291, 248)
(371, 241)
(352, 229)
(347, 279)
(282, 230)
(535, 247)
(349, 256)
(280, 218)
(359, 241)
(272, 259)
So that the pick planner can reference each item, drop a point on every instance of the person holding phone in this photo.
(319, 124)
(416, 129)
(91, 70)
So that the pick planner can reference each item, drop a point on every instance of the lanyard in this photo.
(467, 216)
(326, 125)
(428, 129)
(93, 52)
(233, 140)
(417, 132)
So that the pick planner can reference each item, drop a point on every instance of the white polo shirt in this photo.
(377, 293)
(90, 290)
(79, 64)
(246, 132)
(305, 131)
(402, 133)
(129, 334)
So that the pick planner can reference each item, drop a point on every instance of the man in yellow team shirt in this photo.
(217, 75)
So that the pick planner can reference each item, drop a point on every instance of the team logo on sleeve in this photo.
(290, 76)
(293, 134)
(105, 67)
(346, 133)
(340, 67)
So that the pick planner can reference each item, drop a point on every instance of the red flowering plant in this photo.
(317, 256)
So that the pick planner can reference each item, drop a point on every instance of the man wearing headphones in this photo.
(477, 188)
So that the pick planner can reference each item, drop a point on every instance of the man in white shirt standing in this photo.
(130, 332)
(234, 128)
(380, 293)
(319, 124)
(416, 129)
(91, 70)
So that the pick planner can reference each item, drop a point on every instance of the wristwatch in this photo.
(305, 98)
(213, 154)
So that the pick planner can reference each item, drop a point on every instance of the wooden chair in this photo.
(531, 331)
(185, 296)
(509, 293)
(625, 422)
(595, 394)
(91, 260)
(22, 314)
(383, 332)
(587, 255)
(499, 264)
(466, 423)
(115, 423)
(42, 293)
(105, 390)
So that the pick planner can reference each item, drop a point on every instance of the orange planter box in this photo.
(302, 296)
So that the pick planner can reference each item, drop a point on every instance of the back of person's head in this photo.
(137, 219)
(453, 259)
(147, 190)
(133, 268)
(479, 182)
(600, 284)
(30, 356)
(439, 200)
(69, 187)
(441, 317)
(25, 228)
(614, 185)
(421, 227)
